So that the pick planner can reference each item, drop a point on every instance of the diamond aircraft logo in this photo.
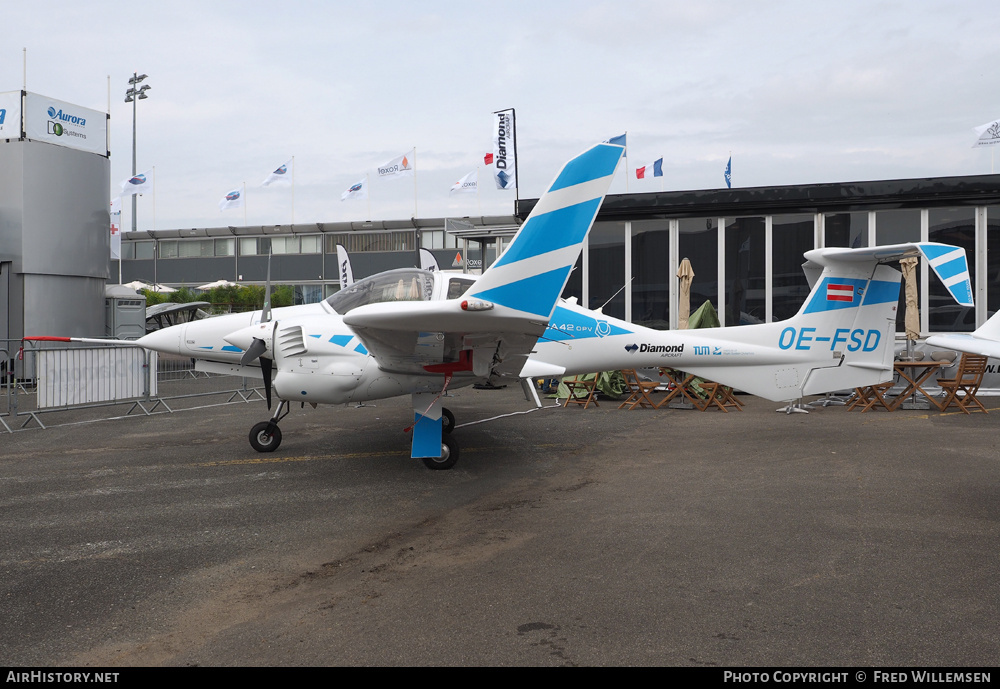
(632, 348)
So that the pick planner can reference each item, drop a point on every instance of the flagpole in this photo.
(154, 198)
(479, 201)
(244, 204)
(414, 181)
(517, 180)
(626, 161)
(368, 196)
(293, 190)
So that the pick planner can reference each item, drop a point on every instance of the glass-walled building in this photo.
(745, 246)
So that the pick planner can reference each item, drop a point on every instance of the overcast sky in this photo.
(795, 91)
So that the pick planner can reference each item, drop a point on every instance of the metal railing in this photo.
(71, 383)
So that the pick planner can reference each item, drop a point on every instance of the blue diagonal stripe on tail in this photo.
(952, 267)
(532, 273)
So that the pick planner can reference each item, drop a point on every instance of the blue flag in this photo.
(729, 173)
(617, 140)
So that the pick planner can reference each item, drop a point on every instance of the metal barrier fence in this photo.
(77, 383)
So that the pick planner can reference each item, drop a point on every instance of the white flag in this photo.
(139, 184)
(116, 228)
(283, 175)
(358, 190)
(398, 167)
(232, 199)
(467, 185)
(987, 134)
(505, 165)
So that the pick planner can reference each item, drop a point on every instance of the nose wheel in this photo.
(266, 436)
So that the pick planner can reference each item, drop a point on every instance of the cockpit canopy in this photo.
(404, 284)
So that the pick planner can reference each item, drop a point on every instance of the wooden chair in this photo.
(967, 380)
(581, 391)
(877, 395)
(638, 391)
(719, 395)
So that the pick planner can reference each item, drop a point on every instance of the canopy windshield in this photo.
(405, 284)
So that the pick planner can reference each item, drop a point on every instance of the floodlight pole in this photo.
(131, 96)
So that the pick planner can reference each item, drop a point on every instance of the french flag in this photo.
(647, 171)
(839, 292)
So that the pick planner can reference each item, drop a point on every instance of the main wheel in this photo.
(265, 436)
(448, 419)
(449, 454)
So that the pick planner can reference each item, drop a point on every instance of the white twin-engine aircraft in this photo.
(421, 333)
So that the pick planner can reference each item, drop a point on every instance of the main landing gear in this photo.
(266, 436)
(449, 453)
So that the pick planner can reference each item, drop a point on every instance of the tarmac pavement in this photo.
(562, 537)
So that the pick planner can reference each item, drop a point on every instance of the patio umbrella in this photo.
(217, 283)
(686, 273)
(137, 285)
(163, 289)
(912, 319)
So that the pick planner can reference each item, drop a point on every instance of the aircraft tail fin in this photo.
(843, 335)
(530, 275)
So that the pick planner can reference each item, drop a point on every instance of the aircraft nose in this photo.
(166, 340)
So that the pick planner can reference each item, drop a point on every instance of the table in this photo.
(915, 373)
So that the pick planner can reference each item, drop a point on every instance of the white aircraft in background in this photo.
(984, 341)
(411, 331)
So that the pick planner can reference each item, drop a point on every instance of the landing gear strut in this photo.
(266, 436)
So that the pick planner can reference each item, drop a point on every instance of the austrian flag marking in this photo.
(836, 292)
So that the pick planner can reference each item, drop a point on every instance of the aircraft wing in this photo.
(494, 326)
(420, 337)
(984, 341)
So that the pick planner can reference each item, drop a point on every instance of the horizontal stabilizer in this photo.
(948, 262)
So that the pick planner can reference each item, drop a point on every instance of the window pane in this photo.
(955, 226)
(846, 229)
(898, 227)
(650, 274)
(791, 236)
(168, 249)
(607, 267)
(310, 244)
(699, 243)
(992, 249)
(745, 271)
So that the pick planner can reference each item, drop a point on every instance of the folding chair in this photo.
(967, 380)
(638, 391)
(876, 396)
(581, 391)
(720, 396)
